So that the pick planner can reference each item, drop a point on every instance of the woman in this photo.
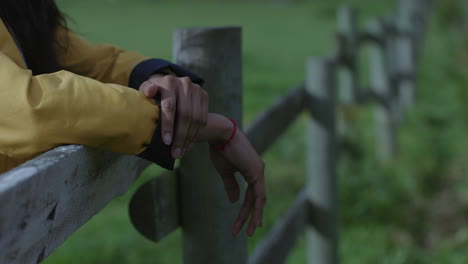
(56, 88)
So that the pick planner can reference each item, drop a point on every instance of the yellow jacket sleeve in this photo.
(102, 62)
(41, 112)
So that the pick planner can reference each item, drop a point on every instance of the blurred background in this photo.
(412, 210)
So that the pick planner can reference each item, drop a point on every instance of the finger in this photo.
(203, 116)
(260, 200)
(252, 226)
(227, 175)
(258, 214)
(168, 106)
(244, 212)
(149, 89)
(259, 206)
(196, 119)
(231, 186)
(184, 118)
(255, 220)
(190, 143)
(205, 104)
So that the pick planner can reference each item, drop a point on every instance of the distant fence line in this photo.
(45, 200)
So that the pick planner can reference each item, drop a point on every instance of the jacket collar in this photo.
(8, 46)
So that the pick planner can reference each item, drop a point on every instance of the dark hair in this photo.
(33, 24)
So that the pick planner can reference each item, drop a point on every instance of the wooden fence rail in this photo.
(45, 200)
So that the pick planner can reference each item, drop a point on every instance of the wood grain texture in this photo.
(276, 246)
(45, 200)
(271, 123)
(206, 214)
(321, 160)
(154, 208)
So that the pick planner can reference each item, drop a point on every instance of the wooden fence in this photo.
(45, 200)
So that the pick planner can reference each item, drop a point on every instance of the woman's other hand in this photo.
(188, 100)
(240, 156)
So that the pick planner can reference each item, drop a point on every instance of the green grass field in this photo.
(390, 213)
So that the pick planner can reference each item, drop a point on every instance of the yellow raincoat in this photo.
(94, 108)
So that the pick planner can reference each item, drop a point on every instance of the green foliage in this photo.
(452, 12)
(389, 211)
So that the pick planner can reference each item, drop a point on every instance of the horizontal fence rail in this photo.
(45, 200)
(271, 123)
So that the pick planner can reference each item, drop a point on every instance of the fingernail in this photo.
(177, 153)
(167, 138)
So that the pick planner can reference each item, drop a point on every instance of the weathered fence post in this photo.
(385, 113)
(348, 93)
(409, 36)
(206, 214)
(410, 22)
(404, 72)
(321, 156)
(348, 50)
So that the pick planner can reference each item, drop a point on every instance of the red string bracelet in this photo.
(223, 146)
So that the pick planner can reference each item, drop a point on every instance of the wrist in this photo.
(225, 143)
(224, 130)
(218, 129)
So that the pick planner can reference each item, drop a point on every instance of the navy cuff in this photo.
(143, 71)
(157, 151)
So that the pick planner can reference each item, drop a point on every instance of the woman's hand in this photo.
(239, 156)
(190, 102)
